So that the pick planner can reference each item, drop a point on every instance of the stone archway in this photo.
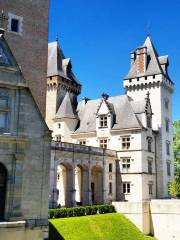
(97, 185)
(3, 180)
(64, 185)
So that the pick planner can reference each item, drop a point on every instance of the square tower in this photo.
(149, 74)
(27, 36)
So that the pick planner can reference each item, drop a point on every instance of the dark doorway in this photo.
(3, 176)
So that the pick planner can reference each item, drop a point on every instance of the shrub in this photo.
(79, 211)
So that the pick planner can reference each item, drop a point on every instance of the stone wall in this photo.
(31, 45)
(160, 218)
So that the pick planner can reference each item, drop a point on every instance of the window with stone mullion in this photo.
(103, 121)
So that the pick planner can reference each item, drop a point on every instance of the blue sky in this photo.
(98, 36)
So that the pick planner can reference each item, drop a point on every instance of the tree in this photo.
(176, 148)
(174, 188)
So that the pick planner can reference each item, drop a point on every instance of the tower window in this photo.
(126, 187)
(154, 76)
(150, 188)
(14, 25)
(167, 125)
(126, 142)
(110, 187)
(168, 148)
(168, 169)
(166, 103)
(59, 125)
(126, 164)
(103, 143)
(110, 167)
(149, 166)
(58, 138)
(103, 121)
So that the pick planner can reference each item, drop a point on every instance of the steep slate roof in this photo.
(58, 64)
(66, 109)
(125, 117)
(153, 64)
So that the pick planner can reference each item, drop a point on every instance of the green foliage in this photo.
(80, 211)
(113, 226)
(174, 188)
(176, 148)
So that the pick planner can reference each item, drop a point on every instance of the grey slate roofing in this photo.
(139, 106)
(58, 64)
(124, 115)
(66, 109)
(154, 65)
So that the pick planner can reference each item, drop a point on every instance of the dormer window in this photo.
(103, 121)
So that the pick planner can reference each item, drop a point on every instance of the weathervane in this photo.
(3, 19)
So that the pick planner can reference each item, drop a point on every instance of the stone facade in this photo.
(137, 125)
(24, 155)
(29, 43)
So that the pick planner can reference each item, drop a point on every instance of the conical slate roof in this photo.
(154, 62)
(66, 109)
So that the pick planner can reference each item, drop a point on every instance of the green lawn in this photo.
(111, 226)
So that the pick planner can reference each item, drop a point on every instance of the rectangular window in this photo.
(168, 169)
(150, 188)
(126, 187)
(166, 104)
(82, 142)
(168, 148)
(126, 164)
(150, 166)
(126, 142)
(103, 143)
(14, 25)
(110, 187)
(110, 167)
(167, 125)
(58, 138)
(103, 121)
(4, 111)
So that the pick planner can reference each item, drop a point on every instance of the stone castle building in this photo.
(27, 36)
(136, 128)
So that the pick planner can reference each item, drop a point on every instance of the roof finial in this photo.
(105, 96)
(3, 18)
(57, 39)
(148, 28)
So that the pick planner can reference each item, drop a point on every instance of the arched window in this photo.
(3, 179)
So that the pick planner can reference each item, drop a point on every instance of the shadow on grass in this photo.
(54, 234)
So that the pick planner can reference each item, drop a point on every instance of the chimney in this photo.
(141, 59)
(133, 57)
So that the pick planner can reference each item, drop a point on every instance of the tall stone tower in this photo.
(61, 82)
(149, 73)
(27, 36)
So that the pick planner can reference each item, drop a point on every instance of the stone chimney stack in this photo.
(133, 57)
(141, 59)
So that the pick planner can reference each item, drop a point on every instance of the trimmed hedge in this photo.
(80, 211)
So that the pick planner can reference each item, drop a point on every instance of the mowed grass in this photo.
(111, 226)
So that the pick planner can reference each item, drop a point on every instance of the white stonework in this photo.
(137, 126)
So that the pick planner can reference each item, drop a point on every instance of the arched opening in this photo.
(97, 185)
(61, 185)
(64, 185)
(3, 179)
